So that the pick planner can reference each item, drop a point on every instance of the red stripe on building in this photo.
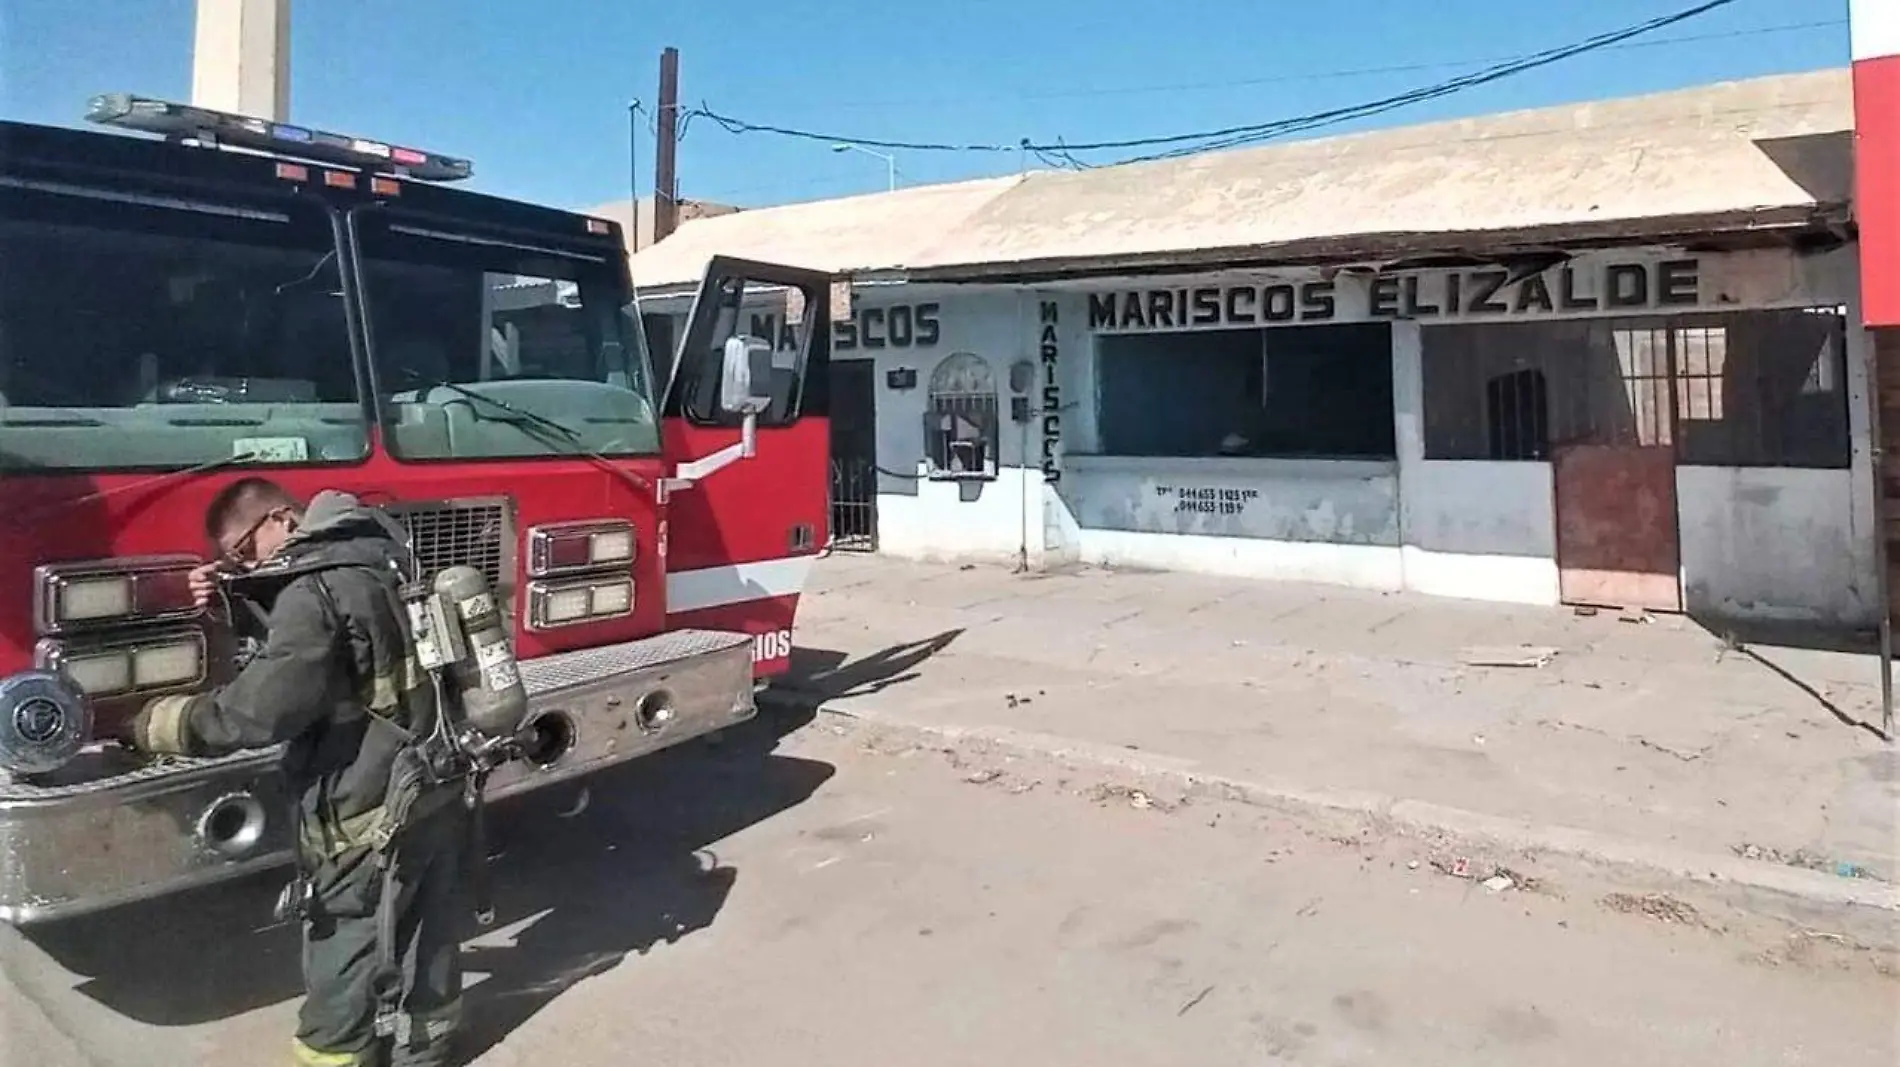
(1877, 186)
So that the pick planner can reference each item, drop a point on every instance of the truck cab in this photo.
(235, 297)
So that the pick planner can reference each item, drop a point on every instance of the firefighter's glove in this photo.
(161, 727)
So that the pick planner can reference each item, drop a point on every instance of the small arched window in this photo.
(960, 421)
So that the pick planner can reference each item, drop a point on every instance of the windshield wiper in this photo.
(155, 482)
(534, 418)
(575, 442)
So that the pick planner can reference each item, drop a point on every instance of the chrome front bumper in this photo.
(108, 834)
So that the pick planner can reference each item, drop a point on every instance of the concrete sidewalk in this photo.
(1656, 734)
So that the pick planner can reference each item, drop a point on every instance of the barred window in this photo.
(1742, 389)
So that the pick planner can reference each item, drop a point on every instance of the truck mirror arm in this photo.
(692, 472)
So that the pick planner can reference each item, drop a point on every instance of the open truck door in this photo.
(747, 436)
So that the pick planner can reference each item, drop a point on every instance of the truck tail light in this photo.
(563, 548)
(585, 600)
(149, 663)
(108, 592)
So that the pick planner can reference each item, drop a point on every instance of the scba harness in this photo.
(457, 651)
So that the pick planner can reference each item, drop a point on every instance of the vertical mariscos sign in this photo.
(1050, 351)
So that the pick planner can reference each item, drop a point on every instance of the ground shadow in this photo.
(1813, 637)
(817, 675)
(631, 869)
(1747, 637)
(1841, 714)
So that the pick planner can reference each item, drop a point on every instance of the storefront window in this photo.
(1309, 392)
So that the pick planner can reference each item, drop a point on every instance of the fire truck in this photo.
(189, 297)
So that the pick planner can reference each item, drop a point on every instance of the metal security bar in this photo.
(853, 505)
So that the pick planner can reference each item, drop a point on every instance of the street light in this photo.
(890, 162)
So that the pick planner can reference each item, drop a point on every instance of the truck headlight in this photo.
(552, 605)
(107, 592)
(147, 663)
(44, 721)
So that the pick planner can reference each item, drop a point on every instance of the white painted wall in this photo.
(1772, 545)
(921, 519)
(1481, 531)
(946, 521)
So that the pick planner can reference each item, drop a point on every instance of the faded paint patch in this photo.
(1342, 503)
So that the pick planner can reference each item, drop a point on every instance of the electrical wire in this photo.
(1064, 155)
(1234, 136)
(734, 125)
(1158, 88)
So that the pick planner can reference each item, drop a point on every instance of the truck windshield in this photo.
(160, 334)
(489, 347)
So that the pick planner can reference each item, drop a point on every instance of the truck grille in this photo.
(478, 532)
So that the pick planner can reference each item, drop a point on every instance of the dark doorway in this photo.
(854, 455)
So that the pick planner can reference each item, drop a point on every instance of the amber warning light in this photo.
(183, 122)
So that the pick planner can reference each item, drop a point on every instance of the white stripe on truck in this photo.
(714, 587)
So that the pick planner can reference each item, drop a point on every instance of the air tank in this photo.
(488, 680)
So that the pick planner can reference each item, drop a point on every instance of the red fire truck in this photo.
(231, 297)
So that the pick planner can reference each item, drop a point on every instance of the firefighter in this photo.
(335, 679)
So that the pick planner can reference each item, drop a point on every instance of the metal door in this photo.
(1618, 536)
(1617, 539)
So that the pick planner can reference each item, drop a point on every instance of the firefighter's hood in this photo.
(337, 530)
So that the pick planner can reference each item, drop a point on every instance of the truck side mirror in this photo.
(745, 375)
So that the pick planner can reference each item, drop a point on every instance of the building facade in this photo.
(1674, 417)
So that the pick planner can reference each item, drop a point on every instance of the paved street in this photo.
(851, 896)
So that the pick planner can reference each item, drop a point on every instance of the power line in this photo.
(733, 125)
(1320, 75)
(1235, 136)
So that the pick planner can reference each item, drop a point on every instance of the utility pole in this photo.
(665, 173)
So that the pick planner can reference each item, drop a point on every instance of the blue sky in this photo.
(539, 100)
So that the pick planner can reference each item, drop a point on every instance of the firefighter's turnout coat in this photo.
(336, 659)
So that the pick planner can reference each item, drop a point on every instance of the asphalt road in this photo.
(842, 898)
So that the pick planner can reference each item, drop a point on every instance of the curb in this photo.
(1867, 911)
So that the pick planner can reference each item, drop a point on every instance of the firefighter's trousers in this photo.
(343, 964)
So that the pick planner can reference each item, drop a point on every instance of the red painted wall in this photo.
(1877, 181)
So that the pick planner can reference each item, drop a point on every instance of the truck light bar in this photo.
(181, 121)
